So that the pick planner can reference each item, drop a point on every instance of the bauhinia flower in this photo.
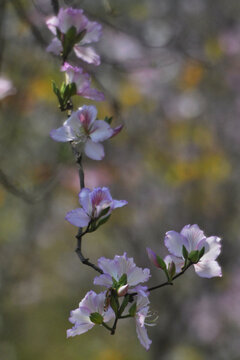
(6, 88)
(194, 239)
(83, 128)
(94, 205)
(85, 32)
(89, 313)
(121, 271)
(82, 82)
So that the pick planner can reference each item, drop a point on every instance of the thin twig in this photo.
(55, 6)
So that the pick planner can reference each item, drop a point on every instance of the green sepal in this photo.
(123, 305)
(201, 253)
(114, 302)
(184, 252)
(161, 263)
(80, 36)
(96, 318)
(123, 280)
(68, 42)
(115, 283)
(57, 93)
(193, 256)
(108, 119)
(133, 309)
(171, 270)
(104, 212)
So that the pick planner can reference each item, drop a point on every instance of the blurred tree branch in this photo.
(2, 16)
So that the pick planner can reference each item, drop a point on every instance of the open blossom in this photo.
(141, 314)
(114, 269)
(194, 239)
(82, 82)
(68, 18)
(6, 88)
(93, 203)
(80, 317)
(82, 127)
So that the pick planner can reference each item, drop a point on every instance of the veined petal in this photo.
(100, 131)
(74, 122)
(103, 280)
(93, 34)
(78, 217)
(71, 17)
(85, 200)
(63, 134)
(142, 335)
(208, 269)
(55, 46)
(174, 242)
(138, 275)
(79, 329)
(87, 54)
(94, 150)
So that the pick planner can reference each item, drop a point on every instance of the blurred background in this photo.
(171, 73)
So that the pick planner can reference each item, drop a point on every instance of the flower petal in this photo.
(92, 94)
(63, 134)
(55, 46)
(101, 131)
(71, 17)
(143, 336)
(79, 329)
(208, 269)
(78, 217)
(87, 54)
(119, 203)
(85, 200)
(94, 150)
(179, 262)
(174, 242)
(194, 236)
(103, 280)
(93, 34)
(214, 248)
(52, 24)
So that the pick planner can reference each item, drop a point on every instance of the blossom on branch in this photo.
(82, 81)
(83, 128)
(90, 312)
(194, 239)
(96, 205)
(119, 268)
(73, 30)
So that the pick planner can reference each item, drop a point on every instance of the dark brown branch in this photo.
(55, 6)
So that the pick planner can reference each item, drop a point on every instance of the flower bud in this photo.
(122, 291)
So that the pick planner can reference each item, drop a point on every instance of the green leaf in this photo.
(123, 280)
(133, 309)
(96, 318)
(57, 93)
(115, 283)
(68, 42)
(184, 252)
(102, 221)
(80, 36)
(124, 304)
(104, 212)
(161, 263)
(108, 119)
(114, 302)
(194, 256)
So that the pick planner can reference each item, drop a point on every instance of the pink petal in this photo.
(94, 32)
(119, 203)
(194, 236)
(63, 134)
(52, 24)
(94, 150)
(87, 54)
(55, 46)
(78, 217)
(100, 131)
(85, 200)
(92, 94)
(143, 336)
(71, 17)
(152, 257)
(214, 248)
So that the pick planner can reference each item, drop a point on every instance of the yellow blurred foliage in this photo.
(139, 11)
(213, 49)
(184, 132)
(41, 89)
(129, 94)
(2, 197)
(191, 76)
(109, 354)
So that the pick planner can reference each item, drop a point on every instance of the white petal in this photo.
(78, 217)
(174, 242)
(109, 267)
(119, 203)
(55, 46)
(87, 54)
(100, 131)
(138, 275)
(143, 336)
(94, 150)
(103, 280)
(63, 134)
(79, 329)
(194, 236)
(214, 248)
(74, 122)
(85, 200)
(52, 24)
(208, 269)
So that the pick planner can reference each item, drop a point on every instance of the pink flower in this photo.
(68, 18)
(83, 128)
(93, 203)
(114, 270)
(6, 88)
(81, 317)
(82, 82)
(194, 239)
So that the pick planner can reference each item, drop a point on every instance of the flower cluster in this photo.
(124, 295)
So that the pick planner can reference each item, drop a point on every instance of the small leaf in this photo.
(114, 302)
(68, 42)
(133, 309)
(108, 119)
(184, 252)
(123, 280)
(194, 256)
(96, 318)
(161, 263)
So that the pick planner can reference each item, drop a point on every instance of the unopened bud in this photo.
(122, 291)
